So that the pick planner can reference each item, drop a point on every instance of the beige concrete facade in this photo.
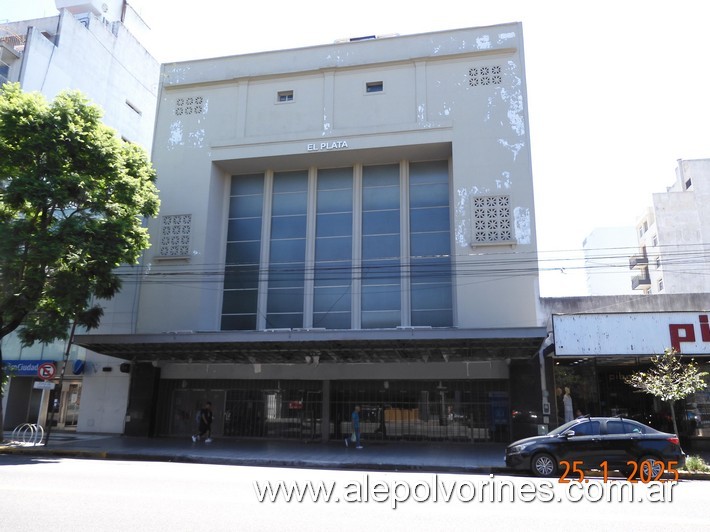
(457, 96)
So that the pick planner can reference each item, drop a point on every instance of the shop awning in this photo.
(330, 346)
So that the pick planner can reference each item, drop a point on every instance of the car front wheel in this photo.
(543, 465)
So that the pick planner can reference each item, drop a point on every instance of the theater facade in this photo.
(351, 223)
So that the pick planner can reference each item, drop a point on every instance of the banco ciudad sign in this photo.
(23, 368)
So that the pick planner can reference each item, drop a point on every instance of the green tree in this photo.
(73, 196)
(669, 379)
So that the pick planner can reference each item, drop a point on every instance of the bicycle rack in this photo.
(28, 434)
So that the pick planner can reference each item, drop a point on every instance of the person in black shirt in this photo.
(204, 424)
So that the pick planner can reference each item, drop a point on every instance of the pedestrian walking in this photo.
(355, 436)
(204, 422)
(567, 400)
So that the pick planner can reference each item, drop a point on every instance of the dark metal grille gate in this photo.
(451, 410)
(248, 408)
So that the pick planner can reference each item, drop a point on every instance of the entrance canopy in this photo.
(300, 346)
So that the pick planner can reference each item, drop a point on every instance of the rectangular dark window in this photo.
(381, 255)
(333, 250)
(287, 255)
(284, 96)
(241, 275)
(374, 86)
(430, 244)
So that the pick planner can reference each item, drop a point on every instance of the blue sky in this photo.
(617, 90)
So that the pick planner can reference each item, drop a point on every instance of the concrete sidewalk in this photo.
(482, 458)
(389, 456)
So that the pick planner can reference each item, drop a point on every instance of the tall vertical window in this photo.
(287, 255)
(332, 292)
(241, 281)
(308, 219)
(381, 284)
(430, 244)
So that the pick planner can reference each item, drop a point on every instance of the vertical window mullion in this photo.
(356, 301)
(404, 231)
(265, 251)
(309, 262)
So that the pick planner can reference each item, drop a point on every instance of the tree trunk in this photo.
(2, 380)
(675, 424)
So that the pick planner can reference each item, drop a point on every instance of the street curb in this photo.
(247, 462)
(62, 453)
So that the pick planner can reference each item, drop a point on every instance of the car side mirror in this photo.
(568, 434)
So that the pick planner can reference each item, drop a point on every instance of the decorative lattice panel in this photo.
(492, 221)
(175, 235)
(190, 105)
(485, 75)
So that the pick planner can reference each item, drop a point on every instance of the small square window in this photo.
(284, 96)
(374, 86)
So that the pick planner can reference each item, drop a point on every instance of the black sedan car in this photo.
(614, 441)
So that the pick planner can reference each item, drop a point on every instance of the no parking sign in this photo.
(46, 371)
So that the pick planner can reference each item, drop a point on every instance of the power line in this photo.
(472, 264)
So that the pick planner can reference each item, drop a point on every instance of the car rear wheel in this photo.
(543, 465)
(650, 467)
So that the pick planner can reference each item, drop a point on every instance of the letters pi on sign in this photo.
(685, 332)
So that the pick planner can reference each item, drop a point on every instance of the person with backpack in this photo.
(204, 422)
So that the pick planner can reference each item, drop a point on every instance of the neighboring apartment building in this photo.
(88, 46)
(341, 225)
(606, 260)
(674, 235)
